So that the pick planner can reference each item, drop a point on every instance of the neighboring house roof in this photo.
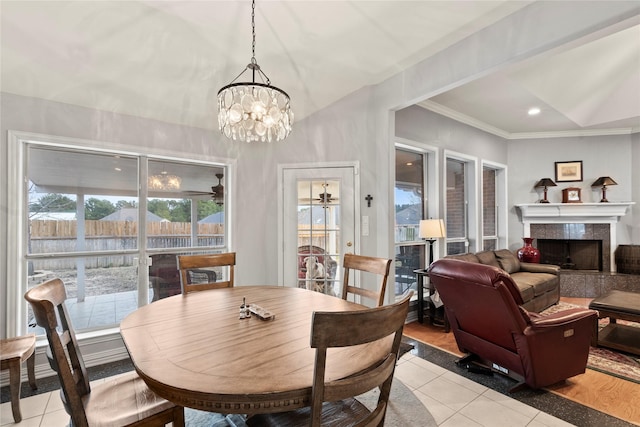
(216, 218)
(316, 215)
(54, 216)
(131, 214)
(409, 215)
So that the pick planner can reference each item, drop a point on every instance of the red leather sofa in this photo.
(483, 306)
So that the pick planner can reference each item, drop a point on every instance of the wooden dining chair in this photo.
(334, 402)
(121, 400)
(379, 266)
(14, 351)
(188, 263)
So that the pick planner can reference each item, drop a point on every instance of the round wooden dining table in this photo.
(195, 351)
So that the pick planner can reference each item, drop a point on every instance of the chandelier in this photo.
(164, 182)
(250, 111)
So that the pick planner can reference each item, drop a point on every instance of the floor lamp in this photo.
(431, 230)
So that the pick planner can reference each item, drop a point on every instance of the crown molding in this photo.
(478, 124)
(463, 118)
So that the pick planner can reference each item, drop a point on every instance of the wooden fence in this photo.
(50, 236)
(65, 229)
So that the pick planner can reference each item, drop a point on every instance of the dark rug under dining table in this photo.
(404, 410)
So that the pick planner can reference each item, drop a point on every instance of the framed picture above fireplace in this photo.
(569, 171)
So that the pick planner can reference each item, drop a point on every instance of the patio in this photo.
(97, 312)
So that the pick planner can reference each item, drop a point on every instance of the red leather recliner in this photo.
(483, 307)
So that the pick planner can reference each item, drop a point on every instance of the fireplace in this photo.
(572, 254)
(584, 232)
(574, 246)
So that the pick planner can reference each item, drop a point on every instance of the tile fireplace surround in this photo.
(576, 221)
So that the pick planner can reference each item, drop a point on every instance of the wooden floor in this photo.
(614, 396)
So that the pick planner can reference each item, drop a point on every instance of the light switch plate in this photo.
(365, 225)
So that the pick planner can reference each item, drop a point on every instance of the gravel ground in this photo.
(98, 281)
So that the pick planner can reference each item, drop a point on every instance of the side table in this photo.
(433, 318)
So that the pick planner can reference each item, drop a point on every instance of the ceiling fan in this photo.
(323, 198)
(216, 193)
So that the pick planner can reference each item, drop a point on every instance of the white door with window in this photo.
(319, 220)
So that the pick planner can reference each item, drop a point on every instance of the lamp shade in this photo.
(432, 229)
(546, 182)
(603, 180)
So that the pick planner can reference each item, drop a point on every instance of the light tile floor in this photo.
(451, 399)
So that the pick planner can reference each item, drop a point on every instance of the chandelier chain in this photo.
(253, 30)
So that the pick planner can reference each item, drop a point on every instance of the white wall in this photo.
(532, 159)
(338, 134)
(417, 124)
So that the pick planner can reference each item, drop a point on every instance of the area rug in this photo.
(611, 362)
(404, 410)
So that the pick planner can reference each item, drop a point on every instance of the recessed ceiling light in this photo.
(118, 169)
(409, 164)
(534, 111)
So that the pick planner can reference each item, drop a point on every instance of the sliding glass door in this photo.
(109, 224)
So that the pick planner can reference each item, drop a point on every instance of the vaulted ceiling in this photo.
(166, 60)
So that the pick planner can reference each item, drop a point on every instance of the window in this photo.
(494, 205)
(457, 241)
(191, 215)
(461, 205)
(489, 210)
(98, 220)
(409, 202)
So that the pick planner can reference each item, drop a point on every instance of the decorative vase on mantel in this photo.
(528, 253)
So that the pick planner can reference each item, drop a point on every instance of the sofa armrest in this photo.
(556, 347)
(565, 317)
(539, 268)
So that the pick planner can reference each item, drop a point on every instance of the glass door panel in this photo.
(318, 234)
(185, 205)
(83, 228)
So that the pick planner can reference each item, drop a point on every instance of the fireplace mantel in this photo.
(576, 213)
(563, 213)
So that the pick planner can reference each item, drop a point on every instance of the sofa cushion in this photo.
(465, 257)
(488, 258)
(539, 282)
(508, 261)
(526, 290)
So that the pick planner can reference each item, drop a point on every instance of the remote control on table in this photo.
(261, 312)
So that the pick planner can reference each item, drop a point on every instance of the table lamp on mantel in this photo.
(430, 230)
(545, 182)
(603, 181)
